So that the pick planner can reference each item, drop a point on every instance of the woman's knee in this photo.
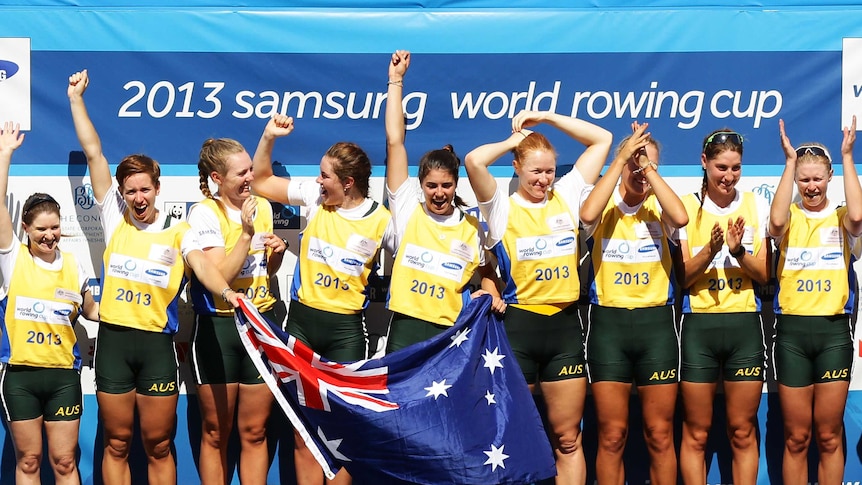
(797, 441)
(612, 439)
(829, 441)
(659, 437)
(30, 463)
(253, 435)
(64, 465)
(214, 438)
(742, 436)
(695, 437)
(568, 441)
(158, 448)
(118, 446)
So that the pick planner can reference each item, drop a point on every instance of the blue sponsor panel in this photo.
(166, 104)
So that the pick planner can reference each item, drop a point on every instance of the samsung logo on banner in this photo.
(7, 69)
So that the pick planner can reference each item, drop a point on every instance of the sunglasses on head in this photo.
(815, 150)
(724, 137)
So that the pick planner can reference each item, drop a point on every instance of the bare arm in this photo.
(100, 172)
(695, 266)
(275, 246)
(229, 264)
(90, 308)
(754, 266)
(852, 189)
(779, 212)
(396, 152)
(597, 139)
(265, 183)
(595, 204)
(210, 277)
(672, 210)
(10, 139)
(479, 159)
(490, 284)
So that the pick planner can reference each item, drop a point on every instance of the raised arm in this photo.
(779, 212)
(479, 159)
(396, 153)
(673, 212)
(592, 208)
(597, 139)
(10, 139)
(230, 263)
(100, 172)
(852, 189)
(265, 183)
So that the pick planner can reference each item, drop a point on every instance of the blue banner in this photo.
(166, 104)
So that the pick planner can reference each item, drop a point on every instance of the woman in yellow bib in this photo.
(45, 291)
(724, 256)
(234, 228)
(439, 245)
(534, 235)
(813, 350)
(146, 264)
(338, 251)
(632, 330)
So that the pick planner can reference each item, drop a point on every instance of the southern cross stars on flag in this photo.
(453, 409)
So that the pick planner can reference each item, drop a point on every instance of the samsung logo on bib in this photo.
(565, 242)
(648, 249)
(156, 272)
(831, 256)
(63, 313)
(351, 262)
(451, 265)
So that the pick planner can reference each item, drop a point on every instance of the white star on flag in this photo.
(437, 389)
(492, 359)
(490, 398)
(459, 338)
(496, 457)
(332, 445)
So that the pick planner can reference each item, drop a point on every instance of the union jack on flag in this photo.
(454, 409)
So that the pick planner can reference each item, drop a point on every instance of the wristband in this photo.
(224, 294)
(739, 251)
(400, 84)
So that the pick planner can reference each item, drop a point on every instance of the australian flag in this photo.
(454, 409)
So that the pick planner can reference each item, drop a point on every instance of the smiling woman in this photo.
(135, 361)
(46, 289)
(813, 351)
(430, 275)
(533, 233)
(234, 228)
(338, 251)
